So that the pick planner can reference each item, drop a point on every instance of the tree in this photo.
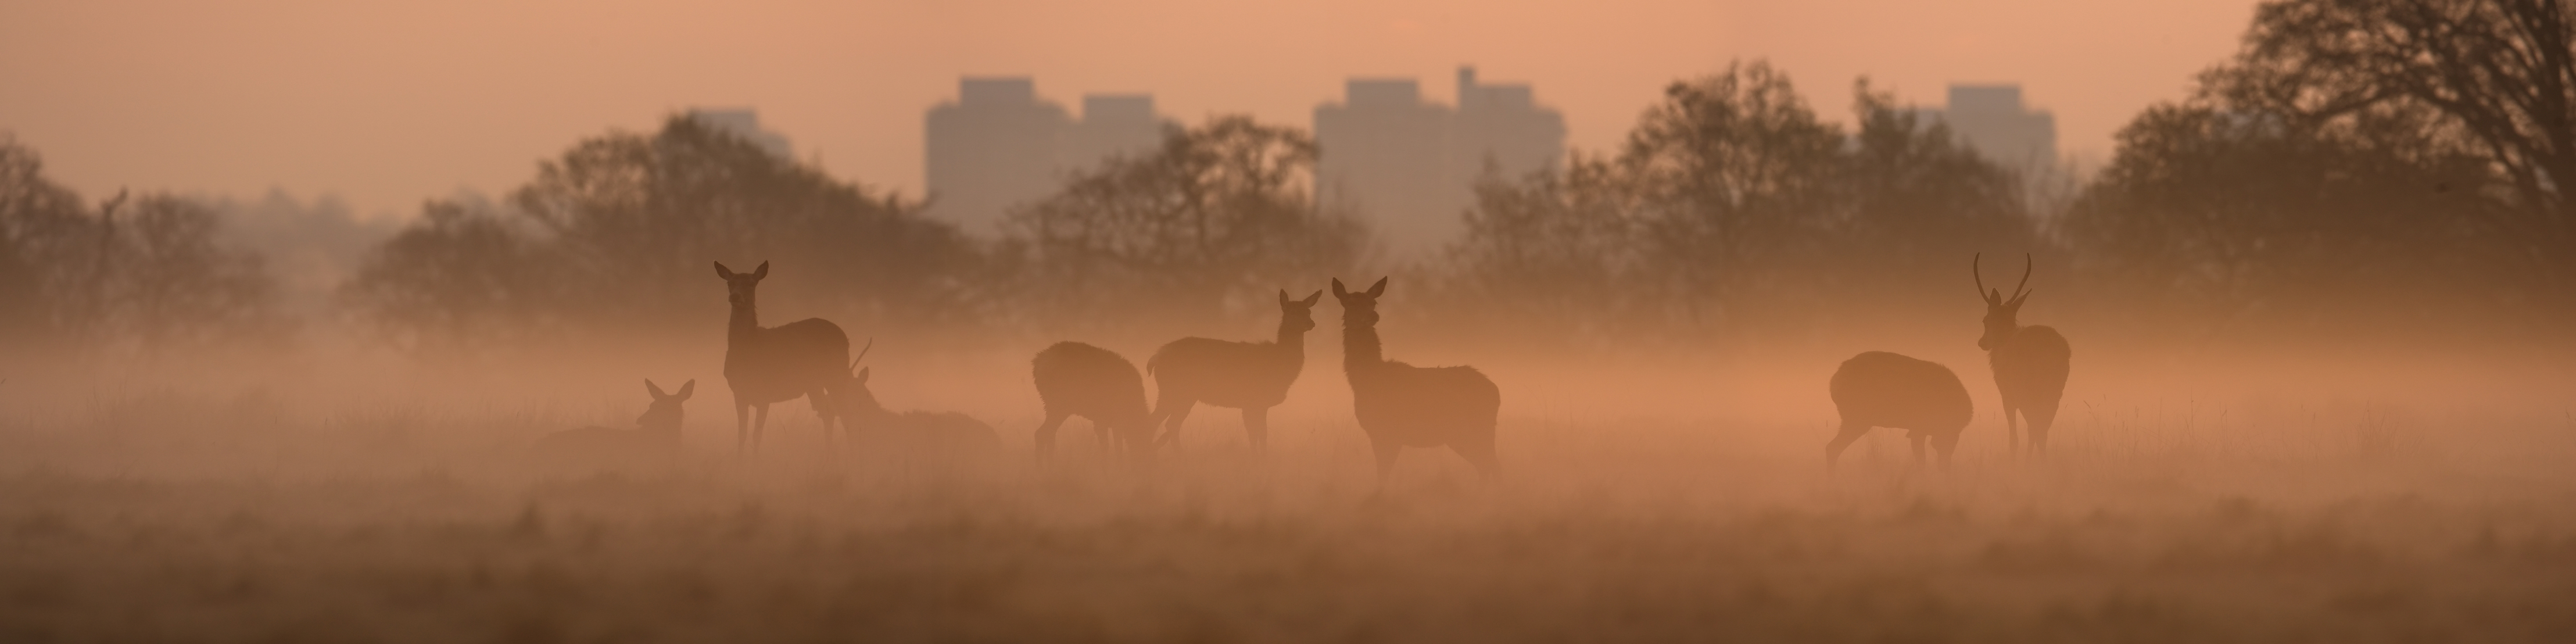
(2496, 77)
(1218, 213)
(618, 232)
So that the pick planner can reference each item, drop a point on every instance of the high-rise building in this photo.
(1000, 146)
(1410, 166)
(1993, 120)
(744, 122)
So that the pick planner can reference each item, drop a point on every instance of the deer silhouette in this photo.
(656, 433)
(1251, 376)
(1401, 405)
(1076, 379)
(776, 364)
(2030, 362)
(939, 433)
(1881, 389)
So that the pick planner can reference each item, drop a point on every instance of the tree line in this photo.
(2356, 165)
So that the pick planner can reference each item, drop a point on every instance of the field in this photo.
(1688, 506)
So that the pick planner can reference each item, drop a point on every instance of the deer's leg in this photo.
(741, 426)
(1834, 448)
(1180, 411)
(1386, 451)
(1046, 435)
(1945, 444)
(1479, 451)
(2012, 431)
(2040, 419)
(1916, 438)
(759, 424)
(1256, 423)
(823, 411)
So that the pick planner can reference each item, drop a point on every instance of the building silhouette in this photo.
(1410, 166)
(999, 146)
(744, 122)
(1993, 120)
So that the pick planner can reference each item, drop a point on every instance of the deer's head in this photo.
(1359, 309)
(851, 393)
(740, 286)
(2000, 311)
(1298, 316)
(664, 414)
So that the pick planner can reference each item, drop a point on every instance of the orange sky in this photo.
(388, 104)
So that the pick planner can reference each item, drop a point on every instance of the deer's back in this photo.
(785, 361)
(1425, 405)
(1078, 378)
(1881, 389)
(2031, 363)
(1229, 374)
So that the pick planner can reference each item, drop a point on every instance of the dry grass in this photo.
(186, 517)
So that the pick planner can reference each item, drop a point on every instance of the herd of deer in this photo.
(1398, 405)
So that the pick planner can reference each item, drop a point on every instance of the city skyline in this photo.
(242, 98)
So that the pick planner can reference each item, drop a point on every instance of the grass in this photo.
(172, 518)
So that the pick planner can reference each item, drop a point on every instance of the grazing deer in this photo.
(942, 433)
(2030, 362)
(1881, 389)
(1251, 376)
(1401, 405)
(776, 364)
(1076, 379)
(656, 433)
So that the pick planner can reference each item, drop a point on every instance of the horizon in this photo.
(384, 123)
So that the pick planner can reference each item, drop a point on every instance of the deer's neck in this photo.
(1291, 337)
(744, 324)
(1360, 347)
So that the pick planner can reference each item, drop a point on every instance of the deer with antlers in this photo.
(767, 365)
(1401, 405)
(935, 433)
(1251, 376)
(2030, 362)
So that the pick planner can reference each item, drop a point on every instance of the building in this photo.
(1410, 166)
(1993, 120)
(744, 122)
(999, 146)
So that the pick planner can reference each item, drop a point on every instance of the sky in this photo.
(387, 104)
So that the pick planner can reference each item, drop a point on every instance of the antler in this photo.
(2018, 293)
(1980, 275)
(863, 353)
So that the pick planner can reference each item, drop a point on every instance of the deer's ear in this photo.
(656, 391)
(761, 272)
(1283, 297)
(862, 375)
(2015, 304)
(1340, 293)
(1310, 299)
(688, 388)
(723, 272)
(1379, 288)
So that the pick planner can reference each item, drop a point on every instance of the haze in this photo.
(389, 104)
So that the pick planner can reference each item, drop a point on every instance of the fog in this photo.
(2314, 310)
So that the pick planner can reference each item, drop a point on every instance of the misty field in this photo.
(239, 515)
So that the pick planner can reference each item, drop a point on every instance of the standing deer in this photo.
(1251, 376)
(2030, 362)
(1401, 405)
(937, 433)
(1076, 379)
(776, 364)
(656, 433)
(1881, 389)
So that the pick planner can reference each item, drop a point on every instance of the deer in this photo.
(1401, 405)
(766, 365)
(1881, 389)
(1076, 379)
(1251, 376)
(942, 433)
(2029, 362)
(656, 433)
